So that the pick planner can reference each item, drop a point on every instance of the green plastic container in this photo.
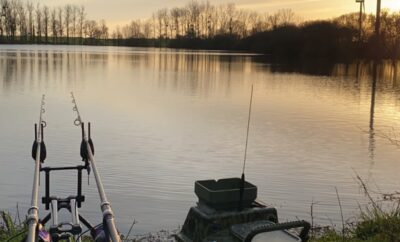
(225, 193)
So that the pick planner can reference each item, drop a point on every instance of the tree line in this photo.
(203, 20)
(201, 25)
(24, 22)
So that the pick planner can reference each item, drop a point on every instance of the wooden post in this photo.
(360, 22)
(378, 18)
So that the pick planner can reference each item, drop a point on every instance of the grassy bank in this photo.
(379, 221)
(374, 226)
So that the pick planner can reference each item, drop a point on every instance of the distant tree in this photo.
(22, 20)
(60, 22)
(176, 15)
(194, 11)
(54, 24)
(117, 35)
(67, 19)
(46, 20)
(92, 29)
(162, 16)
(1, 20)
(38, 12)
(81, 20)
(133, 30)
(74, 18)
(147, 29)
(31, 32)
(286, 17)
(103, 30)
(10, 19)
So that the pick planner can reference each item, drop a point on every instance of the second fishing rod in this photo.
(39, 155)
(87, 153)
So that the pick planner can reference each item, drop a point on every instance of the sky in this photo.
(119, 12)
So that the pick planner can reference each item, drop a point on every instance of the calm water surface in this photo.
(163, 119)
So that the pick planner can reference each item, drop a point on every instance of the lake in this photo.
(162, 119)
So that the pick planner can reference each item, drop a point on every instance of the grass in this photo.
(10, 230)
(372, 228)
(13, 231)
(379, 221)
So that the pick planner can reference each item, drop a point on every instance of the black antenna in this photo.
(245, 153)
(248, 128)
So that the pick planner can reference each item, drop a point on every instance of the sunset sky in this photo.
(122, 11)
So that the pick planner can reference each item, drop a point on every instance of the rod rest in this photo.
(61, 237)
(82, 219)
(59, 230)
(79, 197)
(63, 202)
(47, 168)
(56, 231)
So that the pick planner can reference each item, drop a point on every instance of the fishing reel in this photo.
(84, 149)
(37, 142)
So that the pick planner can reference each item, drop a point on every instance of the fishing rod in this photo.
(39, 155)
(242, 182)
(87, 153)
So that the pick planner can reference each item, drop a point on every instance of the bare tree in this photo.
(1, 19)
(132, 30)
(46, 20)
(29, 8)
(103, 30)
(9, 14)
(60, 22)
(117, 35)
(287, 16)
(74, 17)
(22, 20)
(67, 19)
(14, 17)
(92, 30)
(154, 24)
(175, 15)
(194, 11)
(273, 20)
(81, 21)
(162, 15)
(54, 24)
(38, 12)
(147, 29)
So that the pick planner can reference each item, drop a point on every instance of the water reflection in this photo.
(372, 110)
(70, 67)
(388, 69)
(159, 113)
(44, 66)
